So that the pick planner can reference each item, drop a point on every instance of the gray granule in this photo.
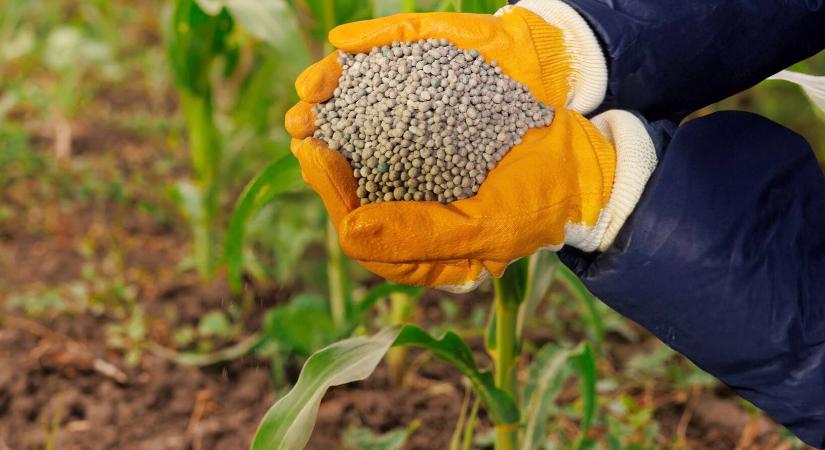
(425, 121)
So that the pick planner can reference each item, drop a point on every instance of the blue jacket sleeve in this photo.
(667, 58)
(723, 259)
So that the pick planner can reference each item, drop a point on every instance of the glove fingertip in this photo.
(318, 82)
(358, 37)
(352, 37)
(300, 120)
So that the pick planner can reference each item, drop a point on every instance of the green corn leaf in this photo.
(479, 6)
(360, 438)
(552, 367)
(302, 325)
(381, 291)
(547, 374)
(543, 266)
(320, 16)
(592, 316)
(317, 17)
(194, 38)
(269, 20)
(452, 350)
(352, 10)
(188, 198)
(279, 176)
(215, 323)
(584, 362)
(515, 282)
(513, 288)
(289, 423)
(446, 6)
(191, 200)
(211, 7)
(383, 8)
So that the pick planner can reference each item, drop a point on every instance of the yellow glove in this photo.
(550, 190)
(558, 178)
(548, 47)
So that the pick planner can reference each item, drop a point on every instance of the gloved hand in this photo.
(544, 44)
(549, 190)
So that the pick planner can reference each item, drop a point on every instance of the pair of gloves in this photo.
(573, 183)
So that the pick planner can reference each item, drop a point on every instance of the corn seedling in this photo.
(519, 415)
(223, 56)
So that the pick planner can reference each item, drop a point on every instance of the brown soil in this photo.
(59, 386)
(55, 391)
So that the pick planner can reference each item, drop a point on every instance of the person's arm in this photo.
(723, 259)
(667, 58)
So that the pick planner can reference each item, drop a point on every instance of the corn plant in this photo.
(520, 415)
(227, 58)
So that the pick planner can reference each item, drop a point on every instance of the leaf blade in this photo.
(584, 362)
(289, 423)
(381, 291)
(480, 6)
(269, 20)
(383, 8)
(552, 367)
(546, 377)
(588, 302)
(451, 349)
(279, 176)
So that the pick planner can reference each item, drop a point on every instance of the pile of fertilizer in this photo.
(425, 120)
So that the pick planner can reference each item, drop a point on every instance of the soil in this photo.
(55, 391)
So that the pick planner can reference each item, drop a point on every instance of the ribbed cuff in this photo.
(588, 68)
(635, 162)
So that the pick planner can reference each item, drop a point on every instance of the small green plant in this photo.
(227, 60)
(129, 336)
(196, 42)
(519, 415)
(357, 438)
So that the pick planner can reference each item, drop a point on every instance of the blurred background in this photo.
(164, 273)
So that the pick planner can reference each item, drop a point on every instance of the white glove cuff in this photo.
(588, 81)
(635, 162)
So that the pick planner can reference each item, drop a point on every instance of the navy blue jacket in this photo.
(667, 58)
(724, 257)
